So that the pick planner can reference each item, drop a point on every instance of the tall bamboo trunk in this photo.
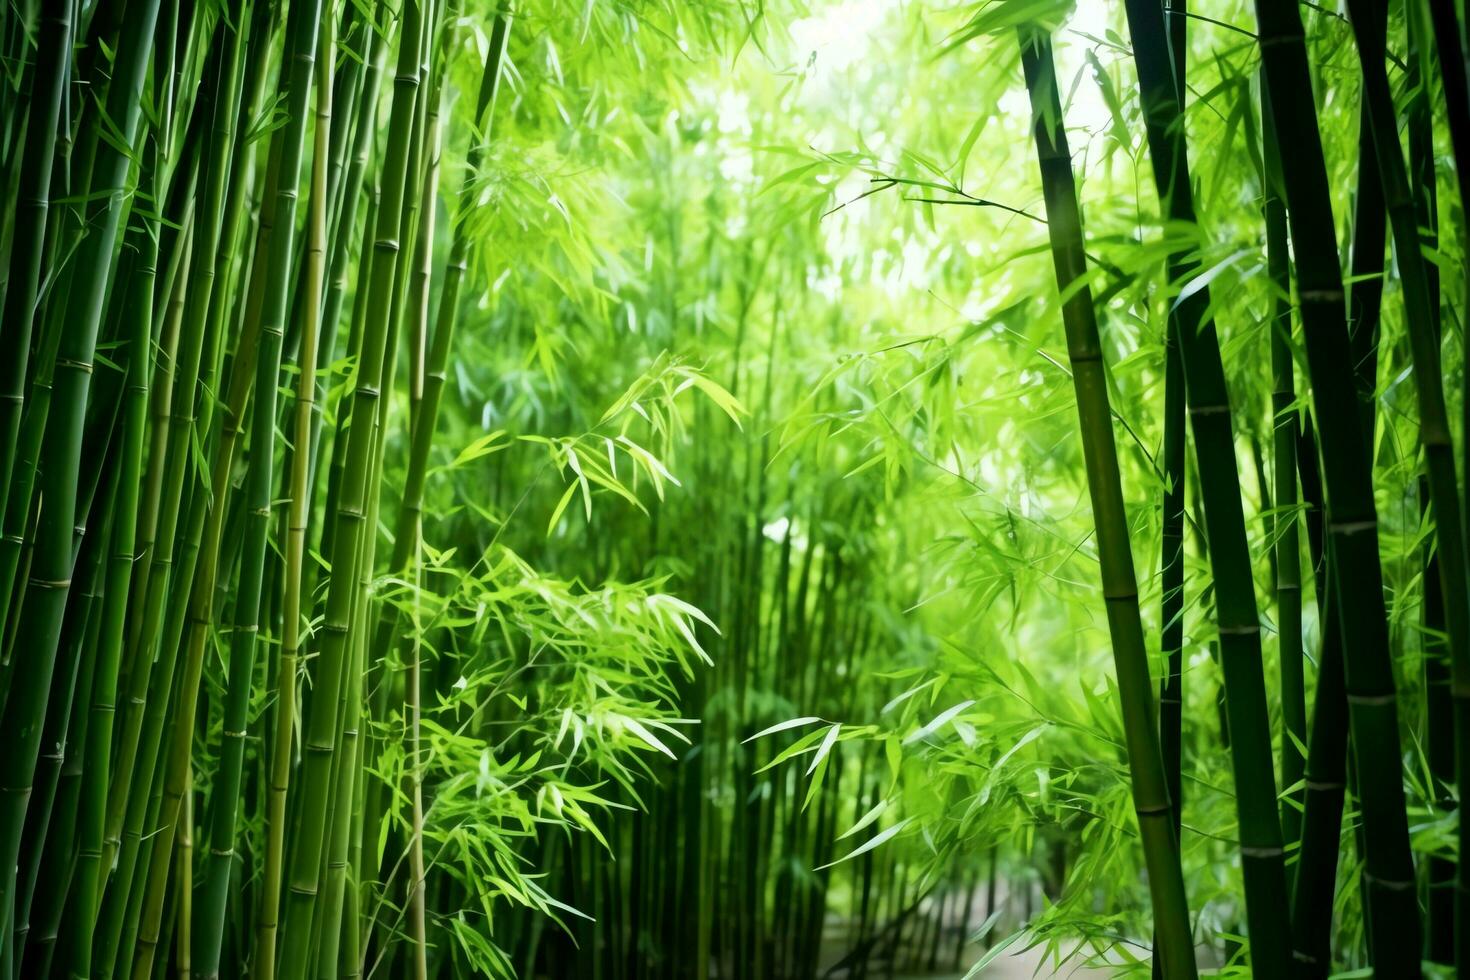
(323, 722)
(302, 60)
(1130, 658)
(1286, 529)
(1352, 523)
(1262, 854)
(50, 578)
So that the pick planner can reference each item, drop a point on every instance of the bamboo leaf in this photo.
(782, 726)
(937, 723)
(877, 840)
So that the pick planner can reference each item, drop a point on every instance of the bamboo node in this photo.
(1347, 528)
(1391, 884)
(1371, 700)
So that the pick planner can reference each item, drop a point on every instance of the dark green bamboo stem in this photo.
(1352, 524)
(103, 705)
(1171, 574)
(50, 577)
(302, 60)
(1446, 31)
(1422, 316)
(323, 722)
(1315, 887)
(28, 234)
(1084, 350)
(1285, 424)
(1326, 771)
(1262, 856)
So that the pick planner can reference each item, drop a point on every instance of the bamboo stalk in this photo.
(1262, 855)
(28, 234)
(1284, 426)
(1446, 31)
(303, 57)
(1084, 352)
(103, 704)
(299, 516)
(1352, 524)
(50, 577)
(1422, 317)
(323, 723)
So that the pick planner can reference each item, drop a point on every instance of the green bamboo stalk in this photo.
(97, 444)
(50, 578)
(341, 264)
(1130, 657)
(1445, 30)
(1262, 855)
(1326, 769)
(299, 516)
(418, 309)
(224, 802)
(172, 456)
(341, 272)
(119, 573)
(1287, 535)
(209, 283)
(323, 724)
(1438, 729)
(1435, 437)
(49, 844)
(28, 234)
(1352, 524)
(333, 924)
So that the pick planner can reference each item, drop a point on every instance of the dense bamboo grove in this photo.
(816, 488)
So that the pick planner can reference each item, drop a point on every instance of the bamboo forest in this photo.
(734, 489)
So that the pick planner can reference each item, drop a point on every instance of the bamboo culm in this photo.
(1435, 437)
(323, 721)
(1120, 590)
(50, 579)
(1352, 523)
(1262, 855)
